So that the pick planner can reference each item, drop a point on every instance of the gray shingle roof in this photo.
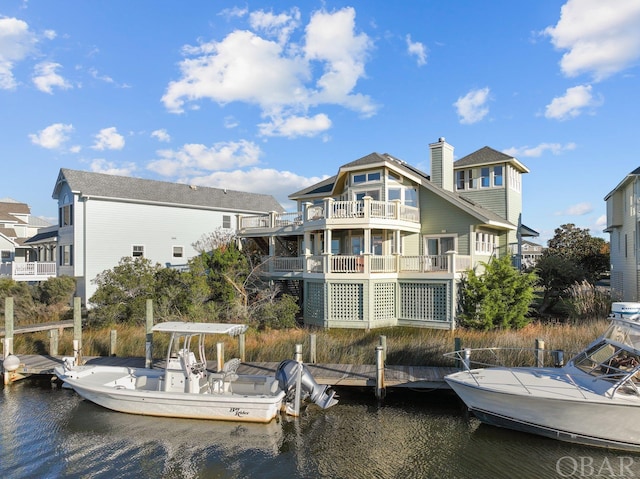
(152, 191)
(486, 156)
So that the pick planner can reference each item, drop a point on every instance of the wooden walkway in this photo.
(347, 375)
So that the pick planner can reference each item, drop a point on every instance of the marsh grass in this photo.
(405, 346)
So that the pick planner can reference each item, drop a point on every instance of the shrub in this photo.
(57, 290)
(499, 298)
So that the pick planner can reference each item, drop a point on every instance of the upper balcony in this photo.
(335, 214)
(32, 271)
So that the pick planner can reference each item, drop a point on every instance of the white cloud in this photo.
(52, 137)
(601, 222)
(600, 37)
(279, 76)
(161, 135)
(45, 77)
(243, 67)
(108, 139)
(230, 122)
(473, 106)
(418, 50)
(100, 165)
(16, 43)
(572, 103)
(331, 39)
(277, 26)
(194, 159)
(294, 126)
(579, 209)
(266, 181)
(539, 150)
(235, 12)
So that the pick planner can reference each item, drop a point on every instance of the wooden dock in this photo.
(339, 375)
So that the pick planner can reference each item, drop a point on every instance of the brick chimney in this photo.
(442, 164)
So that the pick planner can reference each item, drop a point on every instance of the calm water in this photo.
(47, 432)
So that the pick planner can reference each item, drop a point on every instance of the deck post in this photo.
(113, 342)
(380, 389)
(7, 344)
(312, 348)
(8, 326)
(220, 356)
(466, 362)
(539, 353)
(457, 346)
(53, 341)
(148, 345)
(383, 343)
(241, 347)
(77, 330)
(298, 396)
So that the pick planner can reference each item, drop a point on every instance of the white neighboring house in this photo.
(103, 218)
(19, 260)
(623, 226)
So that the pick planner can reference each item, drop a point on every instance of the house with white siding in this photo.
(623, 226)
(103, 218)
(382, 243)
(19, 259)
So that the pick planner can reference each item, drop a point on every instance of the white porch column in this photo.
(367, 241)
(327, 251)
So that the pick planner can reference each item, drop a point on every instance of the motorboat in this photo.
(594, 399)
(185, 388)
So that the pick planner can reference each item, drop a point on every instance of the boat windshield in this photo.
(610, 361)
(624, 333)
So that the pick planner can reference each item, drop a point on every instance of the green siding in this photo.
(439, 217)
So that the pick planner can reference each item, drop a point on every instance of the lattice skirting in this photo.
(377, 303)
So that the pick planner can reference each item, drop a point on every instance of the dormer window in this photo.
(360, 178)
(484, 178)
(392, 175)
(497, 175)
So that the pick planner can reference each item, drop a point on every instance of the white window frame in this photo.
(439, 238)
(177, 251)
(226, 221)
(367, 177)
(485, 243)
(137, 251)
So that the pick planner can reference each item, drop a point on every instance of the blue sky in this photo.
(271, 97)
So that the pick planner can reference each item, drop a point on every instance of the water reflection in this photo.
(49, 432)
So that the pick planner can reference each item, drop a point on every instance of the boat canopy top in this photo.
(178, 327)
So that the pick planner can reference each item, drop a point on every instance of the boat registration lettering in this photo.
(236, 411)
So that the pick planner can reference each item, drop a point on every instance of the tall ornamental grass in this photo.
(405, 346)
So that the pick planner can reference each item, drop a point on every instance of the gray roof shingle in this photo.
(152, 191)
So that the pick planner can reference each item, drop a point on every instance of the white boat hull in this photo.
(115, 388)
(550, 403)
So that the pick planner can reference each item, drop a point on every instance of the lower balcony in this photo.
(32, 271)
(365, 264)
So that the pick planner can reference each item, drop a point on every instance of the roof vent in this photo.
(441, 139)
(193, 187)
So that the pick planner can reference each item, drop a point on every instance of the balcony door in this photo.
(439, 245)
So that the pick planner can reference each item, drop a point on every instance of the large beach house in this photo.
(103, 218)
(382, 243)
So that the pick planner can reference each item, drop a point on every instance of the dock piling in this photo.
(380, 389)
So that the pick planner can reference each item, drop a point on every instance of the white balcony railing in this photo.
(335, 211)
(367, 264)
(32, 271)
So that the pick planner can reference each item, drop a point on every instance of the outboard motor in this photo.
(286, 374)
